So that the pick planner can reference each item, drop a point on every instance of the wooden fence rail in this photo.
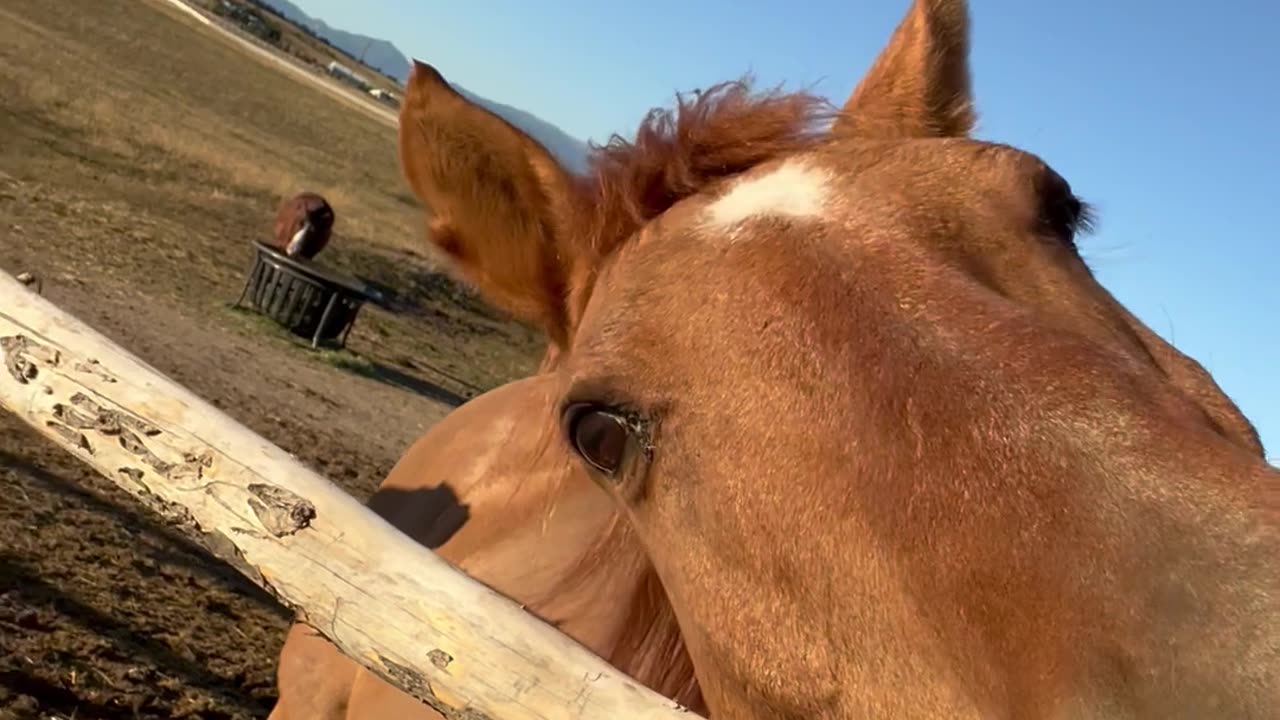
(384, 600)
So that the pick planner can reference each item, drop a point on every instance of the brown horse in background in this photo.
(303, 226)
(835, 414)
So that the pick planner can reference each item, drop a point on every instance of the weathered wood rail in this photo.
(384, 600)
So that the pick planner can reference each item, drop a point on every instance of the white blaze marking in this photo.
(296, 243)
(793, 189)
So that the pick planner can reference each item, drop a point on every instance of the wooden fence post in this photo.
(384, 600)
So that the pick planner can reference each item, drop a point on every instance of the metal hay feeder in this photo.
(309, 300)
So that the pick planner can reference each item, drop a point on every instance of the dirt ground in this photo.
(138, 157)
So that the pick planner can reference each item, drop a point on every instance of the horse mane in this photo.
(707, 138)
(682, 151)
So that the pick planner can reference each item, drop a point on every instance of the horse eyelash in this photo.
(1068, 218)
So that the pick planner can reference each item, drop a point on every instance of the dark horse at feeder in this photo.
(303, 225)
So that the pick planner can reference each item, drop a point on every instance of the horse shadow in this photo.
(365, 366)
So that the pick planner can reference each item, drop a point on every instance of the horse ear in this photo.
(919, 85)
(500, 204)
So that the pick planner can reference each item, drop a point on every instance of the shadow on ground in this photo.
(397, 378)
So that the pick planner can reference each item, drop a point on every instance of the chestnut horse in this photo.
(476, 487)
(867, 438)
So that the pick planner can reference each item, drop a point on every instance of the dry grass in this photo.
(162, 151)
(259, 136)
(138, 157)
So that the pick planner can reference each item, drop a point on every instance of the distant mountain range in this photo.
(383, 55)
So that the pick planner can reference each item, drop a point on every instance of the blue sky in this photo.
(1161, 114)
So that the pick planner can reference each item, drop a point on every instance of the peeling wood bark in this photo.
(384, 600)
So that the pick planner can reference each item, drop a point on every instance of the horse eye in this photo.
(598, 435)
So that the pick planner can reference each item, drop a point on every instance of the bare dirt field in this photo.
(139, 155)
